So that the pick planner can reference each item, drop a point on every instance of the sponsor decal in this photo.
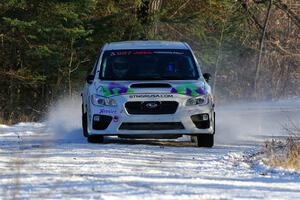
(107, 111)
(119, 89)
(100, 89)
(169, 52)
(125, 53)
(188, 89)
(151, 96)
(114, 89)
(142, 52)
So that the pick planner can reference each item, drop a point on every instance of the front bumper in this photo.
(120, 122)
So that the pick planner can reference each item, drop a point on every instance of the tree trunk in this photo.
(219, 56)
(155, 6)
(70, 68)
(146, 16)
(69, 82)
(261, 46)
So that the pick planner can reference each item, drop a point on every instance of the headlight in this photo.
(200, 100)
(103, 101)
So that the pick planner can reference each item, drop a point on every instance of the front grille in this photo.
(152, 126)
(143, 108)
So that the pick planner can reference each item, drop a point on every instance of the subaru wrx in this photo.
(148, 89)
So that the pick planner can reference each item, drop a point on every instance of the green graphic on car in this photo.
(112, 89)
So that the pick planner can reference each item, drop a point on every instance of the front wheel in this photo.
(84, 125)
(205, 140)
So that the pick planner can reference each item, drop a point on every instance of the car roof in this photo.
(146, 44)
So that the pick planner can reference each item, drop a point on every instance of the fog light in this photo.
(201, 121)
(205, 117)
(97, 118)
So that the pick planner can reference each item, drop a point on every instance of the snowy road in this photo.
(38, 163)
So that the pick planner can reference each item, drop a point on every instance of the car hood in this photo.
(114, 88)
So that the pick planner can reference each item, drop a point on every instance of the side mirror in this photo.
(207, 77)
(89, 79)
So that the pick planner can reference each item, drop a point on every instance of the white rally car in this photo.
(148, 88)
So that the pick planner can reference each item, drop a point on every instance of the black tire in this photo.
(95, 139)
(205, 140)
(84, 125)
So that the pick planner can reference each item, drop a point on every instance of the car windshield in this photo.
(148, 65)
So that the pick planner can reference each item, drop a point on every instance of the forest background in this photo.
(251, 47)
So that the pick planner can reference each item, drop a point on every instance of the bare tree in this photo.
(261, 46)
(146, 15)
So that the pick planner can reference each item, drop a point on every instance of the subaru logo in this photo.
(152, 105)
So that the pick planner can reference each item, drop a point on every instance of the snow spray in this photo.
(64, 119)
(248, 122)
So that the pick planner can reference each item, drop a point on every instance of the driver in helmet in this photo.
(120, 67)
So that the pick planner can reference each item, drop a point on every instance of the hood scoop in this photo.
(150, 85)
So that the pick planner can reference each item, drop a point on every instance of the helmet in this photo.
(120, 66)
